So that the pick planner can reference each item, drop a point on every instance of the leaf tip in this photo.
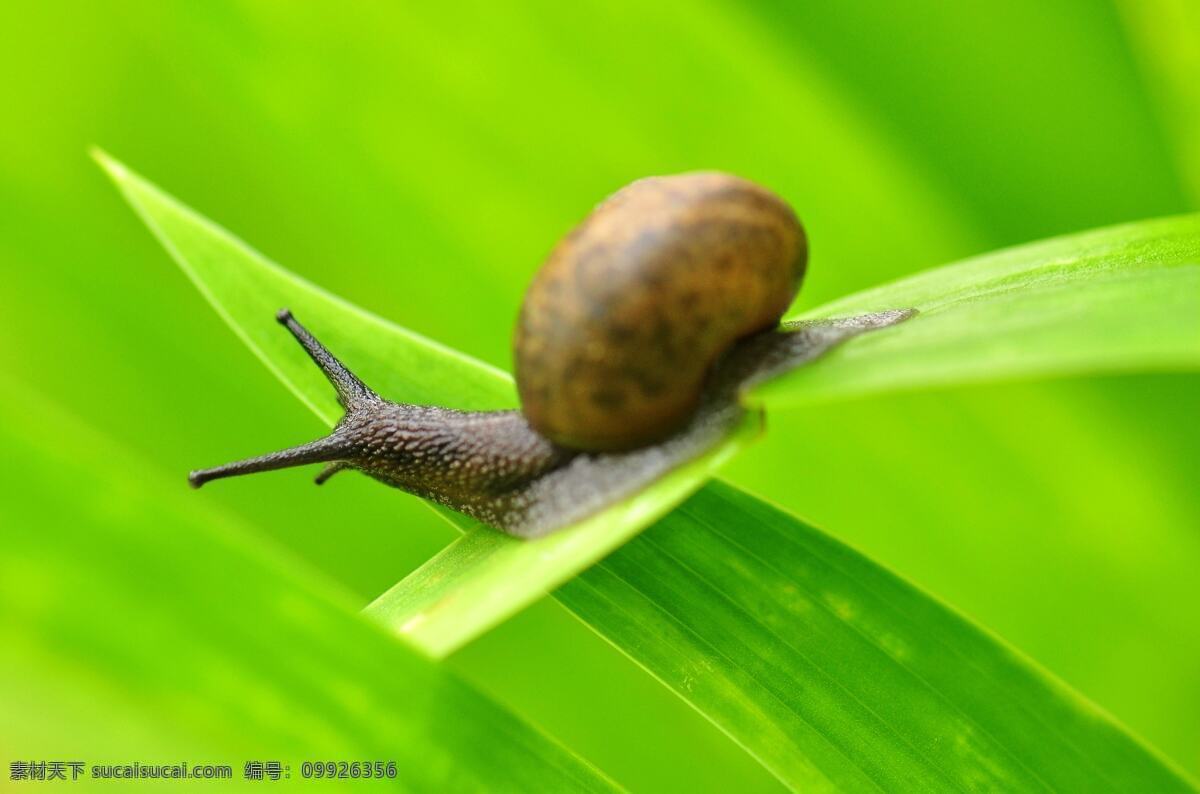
(115, 168)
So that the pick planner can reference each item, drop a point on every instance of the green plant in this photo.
(419, 159)
(831, 672)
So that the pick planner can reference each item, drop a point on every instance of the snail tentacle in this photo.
(322, 450)
(329, 471)
(352, 393)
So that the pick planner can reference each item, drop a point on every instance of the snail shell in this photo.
(630, 311)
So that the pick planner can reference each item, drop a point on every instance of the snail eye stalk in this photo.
(323, 450)
(353, 395)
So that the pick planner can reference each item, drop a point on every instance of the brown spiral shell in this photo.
(626, 317)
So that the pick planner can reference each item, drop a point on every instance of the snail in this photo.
(634, 343)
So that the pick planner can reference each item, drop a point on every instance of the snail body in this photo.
(631, 350)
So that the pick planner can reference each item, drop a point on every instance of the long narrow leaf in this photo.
(837, 675)
(136, 625)
(504, 573)
(1119, 299)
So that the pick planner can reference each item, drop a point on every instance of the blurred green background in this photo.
(421, 159)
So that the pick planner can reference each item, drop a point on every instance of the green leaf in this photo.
(830, 671)
(139, 626)
(1118, 299)
(485, 576)
(837, 675)
(504, 573)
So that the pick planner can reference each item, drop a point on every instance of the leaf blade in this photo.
(246, 289)
(864, 682)
(484, 577)
(1124, 298)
